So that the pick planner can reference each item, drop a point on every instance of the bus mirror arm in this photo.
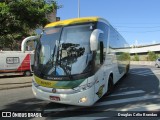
(24, 42)
(101, 53)
(94, 39)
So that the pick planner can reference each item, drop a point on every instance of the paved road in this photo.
(14, 81)
(139, 91)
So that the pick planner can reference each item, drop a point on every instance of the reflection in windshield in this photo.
(69, 53)
(66, 51)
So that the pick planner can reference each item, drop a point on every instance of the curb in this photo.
(152, 63)
(8, 88)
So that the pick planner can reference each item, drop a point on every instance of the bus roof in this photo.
(73, 21)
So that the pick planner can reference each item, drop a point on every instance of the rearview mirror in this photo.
(94, 39)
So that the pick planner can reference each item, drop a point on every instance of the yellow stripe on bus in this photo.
(65, 84)
(44, 83)
(73, 21)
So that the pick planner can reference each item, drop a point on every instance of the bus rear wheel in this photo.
(110, 85)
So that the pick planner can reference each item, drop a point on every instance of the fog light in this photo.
(82, 100)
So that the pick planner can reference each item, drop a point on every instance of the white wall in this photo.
(145, 49)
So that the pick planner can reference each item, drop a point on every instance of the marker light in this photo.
(35, 94)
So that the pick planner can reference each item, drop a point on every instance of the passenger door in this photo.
(99, 84)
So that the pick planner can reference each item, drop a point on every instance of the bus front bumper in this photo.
(84, 98)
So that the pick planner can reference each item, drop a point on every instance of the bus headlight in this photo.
(84, 87)
(83, 99)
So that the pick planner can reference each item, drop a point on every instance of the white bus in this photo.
(78, 60)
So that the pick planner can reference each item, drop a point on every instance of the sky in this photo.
(138, 21)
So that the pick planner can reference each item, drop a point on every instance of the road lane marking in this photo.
(128, 93)
(145, 72)
(152, 107)
(124, 88)
(62, 109)
(82, 117)
(135, 99)
(142, 74)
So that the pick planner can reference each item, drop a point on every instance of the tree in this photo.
(152, 56)
(8, 23)
(19, 17)
(124, 56)
(136, 57)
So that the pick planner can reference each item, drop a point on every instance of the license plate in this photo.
(54, 98)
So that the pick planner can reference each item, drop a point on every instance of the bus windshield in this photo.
(64, 51)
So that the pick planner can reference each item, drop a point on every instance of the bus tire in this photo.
(27, 73)
(127, 69)
(110, 85)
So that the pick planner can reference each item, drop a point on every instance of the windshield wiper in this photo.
(49, 62)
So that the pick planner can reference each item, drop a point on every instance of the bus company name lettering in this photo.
(45, 83)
